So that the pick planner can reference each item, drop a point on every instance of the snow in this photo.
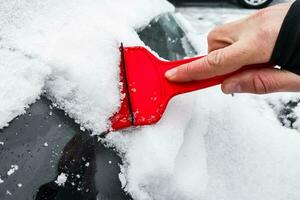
(79, 72)
(8, 193)
(213, 146)
(12, 170)
(22, 80)
(61, 179)
(1, 180)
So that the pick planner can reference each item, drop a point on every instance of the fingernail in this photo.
(170, 74)
(233, 87)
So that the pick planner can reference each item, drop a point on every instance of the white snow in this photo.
(70, 50)
(22, 80)
(61, 179)
(213, 146)
(12, 170)
(1, 180)
(8, 193)
(46, 144)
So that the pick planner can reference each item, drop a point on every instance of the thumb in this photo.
(262, 81)
(218, 62)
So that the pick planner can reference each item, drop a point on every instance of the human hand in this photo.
(244, 42)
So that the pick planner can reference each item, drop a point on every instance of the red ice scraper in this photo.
(145, 91)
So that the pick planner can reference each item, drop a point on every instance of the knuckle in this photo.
(264, 83)
(215, 58)
(258, 85)
(187, 71)
(216, 33)
(212, 35)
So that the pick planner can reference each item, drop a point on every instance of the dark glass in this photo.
(164, 36)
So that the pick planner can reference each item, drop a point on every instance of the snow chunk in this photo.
(8, 193)
(61, 179)
(151, 153)
(22, 80)
(12, 170)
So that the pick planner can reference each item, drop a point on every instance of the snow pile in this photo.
(222, 147)
(70, 49)
(22, 80)
(213, 146)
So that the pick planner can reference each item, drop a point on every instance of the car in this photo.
(46, 145)
(42, 164)
(254, 4)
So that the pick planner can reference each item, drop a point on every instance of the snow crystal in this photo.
(1, 143)
(12, 170)
(61, 179)
(8, 193)
(46, 144)
(19, 185)
(1, 181)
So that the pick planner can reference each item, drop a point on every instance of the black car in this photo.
(244, 3)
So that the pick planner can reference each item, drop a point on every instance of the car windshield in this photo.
(42, 148)
(166, 37)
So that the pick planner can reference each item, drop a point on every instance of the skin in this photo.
(247, 41)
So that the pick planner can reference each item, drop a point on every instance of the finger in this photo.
(218, 62)
(262, 81)
(223, 36)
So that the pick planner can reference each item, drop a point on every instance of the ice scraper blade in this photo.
(145, 92)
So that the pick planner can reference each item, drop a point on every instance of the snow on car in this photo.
(207, 146)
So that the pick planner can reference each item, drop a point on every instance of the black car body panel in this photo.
(243, 3)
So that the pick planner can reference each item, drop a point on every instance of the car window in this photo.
(165, 37)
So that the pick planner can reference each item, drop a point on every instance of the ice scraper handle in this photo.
(180, 88)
